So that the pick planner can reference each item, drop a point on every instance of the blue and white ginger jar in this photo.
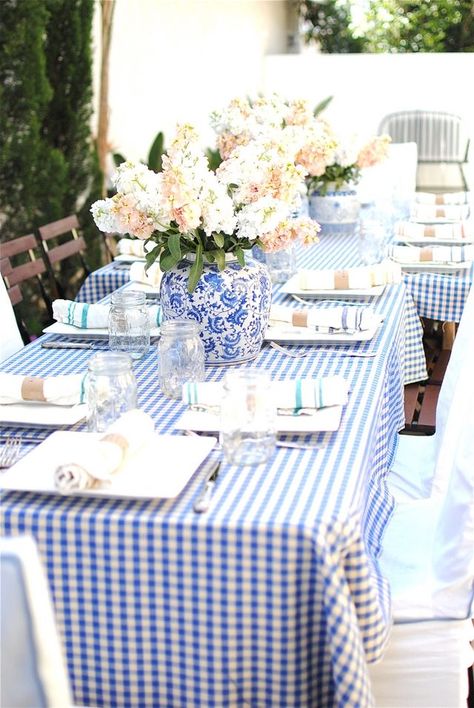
(232, 307)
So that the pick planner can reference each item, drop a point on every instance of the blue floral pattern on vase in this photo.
(232, 306)
(337, 211)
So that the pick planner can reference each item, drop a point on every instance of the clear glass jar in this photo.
(181, 356)
(281, 264)
(110, 387)
(248, 417)
(129, 323)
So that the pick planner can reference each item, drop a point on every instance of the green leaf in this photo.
(152, 256)
(321, 106)
(174, 245)
(240, 256)
(220, 259)
(196, 270)
(168, 261)
(219, 240)
(118, 159)
(156, 153)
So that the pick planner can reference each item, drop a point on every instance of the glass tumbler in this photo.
(372, 241)
(248, 417)
(129, 323)
(111, 389)
(181, 356)
(281, 264)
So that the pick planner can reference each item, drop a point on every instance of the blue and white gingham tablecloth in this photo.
(273, 597)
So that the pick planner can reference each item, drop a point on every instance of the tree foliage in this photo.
(390, 26)
(328, 24)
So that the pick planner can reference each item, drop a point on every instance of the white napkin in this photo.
(150, 277)
(58, 390)
(131, 247)
(94, 462)
(86, 316)
(446, 198)
(350, 279)
(456, 230)
(291, 397)
(428, 212)
(326, 320)
(432, 254)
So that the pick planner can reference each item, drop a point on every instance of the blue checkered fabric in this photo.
(439, 296)
(103, 281)
(274, 596)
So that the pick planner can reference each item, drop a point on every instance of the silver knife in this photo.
(67, 345)
(202, 504)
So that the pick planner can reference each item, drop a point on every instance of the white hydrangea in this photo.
(260, 217)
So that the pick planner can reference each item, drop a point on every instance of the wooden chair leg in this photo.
(449, 333)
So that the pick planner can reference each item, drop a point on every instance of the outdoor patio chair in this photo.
(419, 467)
(441, 139)
(63, 241)
(33, 669)
(25, 272)
(427, 557)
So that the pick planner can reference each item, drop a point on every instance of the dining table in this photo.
(273, 596)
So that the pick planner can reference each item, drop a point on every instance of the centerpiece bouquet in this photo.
(189, 211)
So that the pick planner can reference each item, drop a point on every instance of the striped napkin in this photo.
(94, 462)
(86, 316)
(326, 320)
(456, 230)
(131, 247)
(57, 390)
(438, 199)
(432, 254)
(290, 397)
(360, 278)
(428, 212)
(151, 277)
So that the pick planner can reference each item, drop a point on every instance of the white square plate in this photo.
(292, 288)
(304, 335)
(433, 241)
(324, 419)
(41, 414)
(128, 258)
(160, 469)
(425, 267)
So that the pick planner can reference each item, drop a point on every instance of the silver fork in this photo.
(10, 451)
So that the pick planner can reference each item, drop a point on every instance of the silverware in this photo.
(10, 451)
(67, 345)
(202, 503)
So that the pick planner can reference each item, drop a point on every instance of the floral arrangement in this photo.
(188, 209)
(326, 159)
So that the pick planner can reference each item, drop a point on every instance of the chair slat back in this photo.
(440, 137)
(65, 250)
(57, 228)
(61, 240)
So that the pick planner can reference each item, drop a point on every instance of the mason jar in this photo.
(129, 323)
(110, 389)
(181, 356)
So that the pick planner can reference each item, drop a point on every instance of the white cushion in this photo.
(425, 665)
(33, 671)
(11, 340)
(411, 474)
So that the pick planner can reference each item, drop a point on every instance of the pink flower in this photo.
(374, 151)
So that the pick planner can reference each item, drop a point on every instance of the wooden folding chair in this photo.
(25, 273)
(61, 241)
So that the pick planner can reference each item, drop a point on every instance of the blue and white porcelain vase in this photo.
(337, 211)
(232, 307)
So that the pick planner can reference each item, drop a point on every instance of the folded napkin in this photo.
(447, 198)
(456, 230)
(85, 316)
(131, 247)
(58, 390)
(431, 254)
(428, 212)
(352, 278)
(326, 320)
(94, 462)
(152, 276)
(290, 397)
